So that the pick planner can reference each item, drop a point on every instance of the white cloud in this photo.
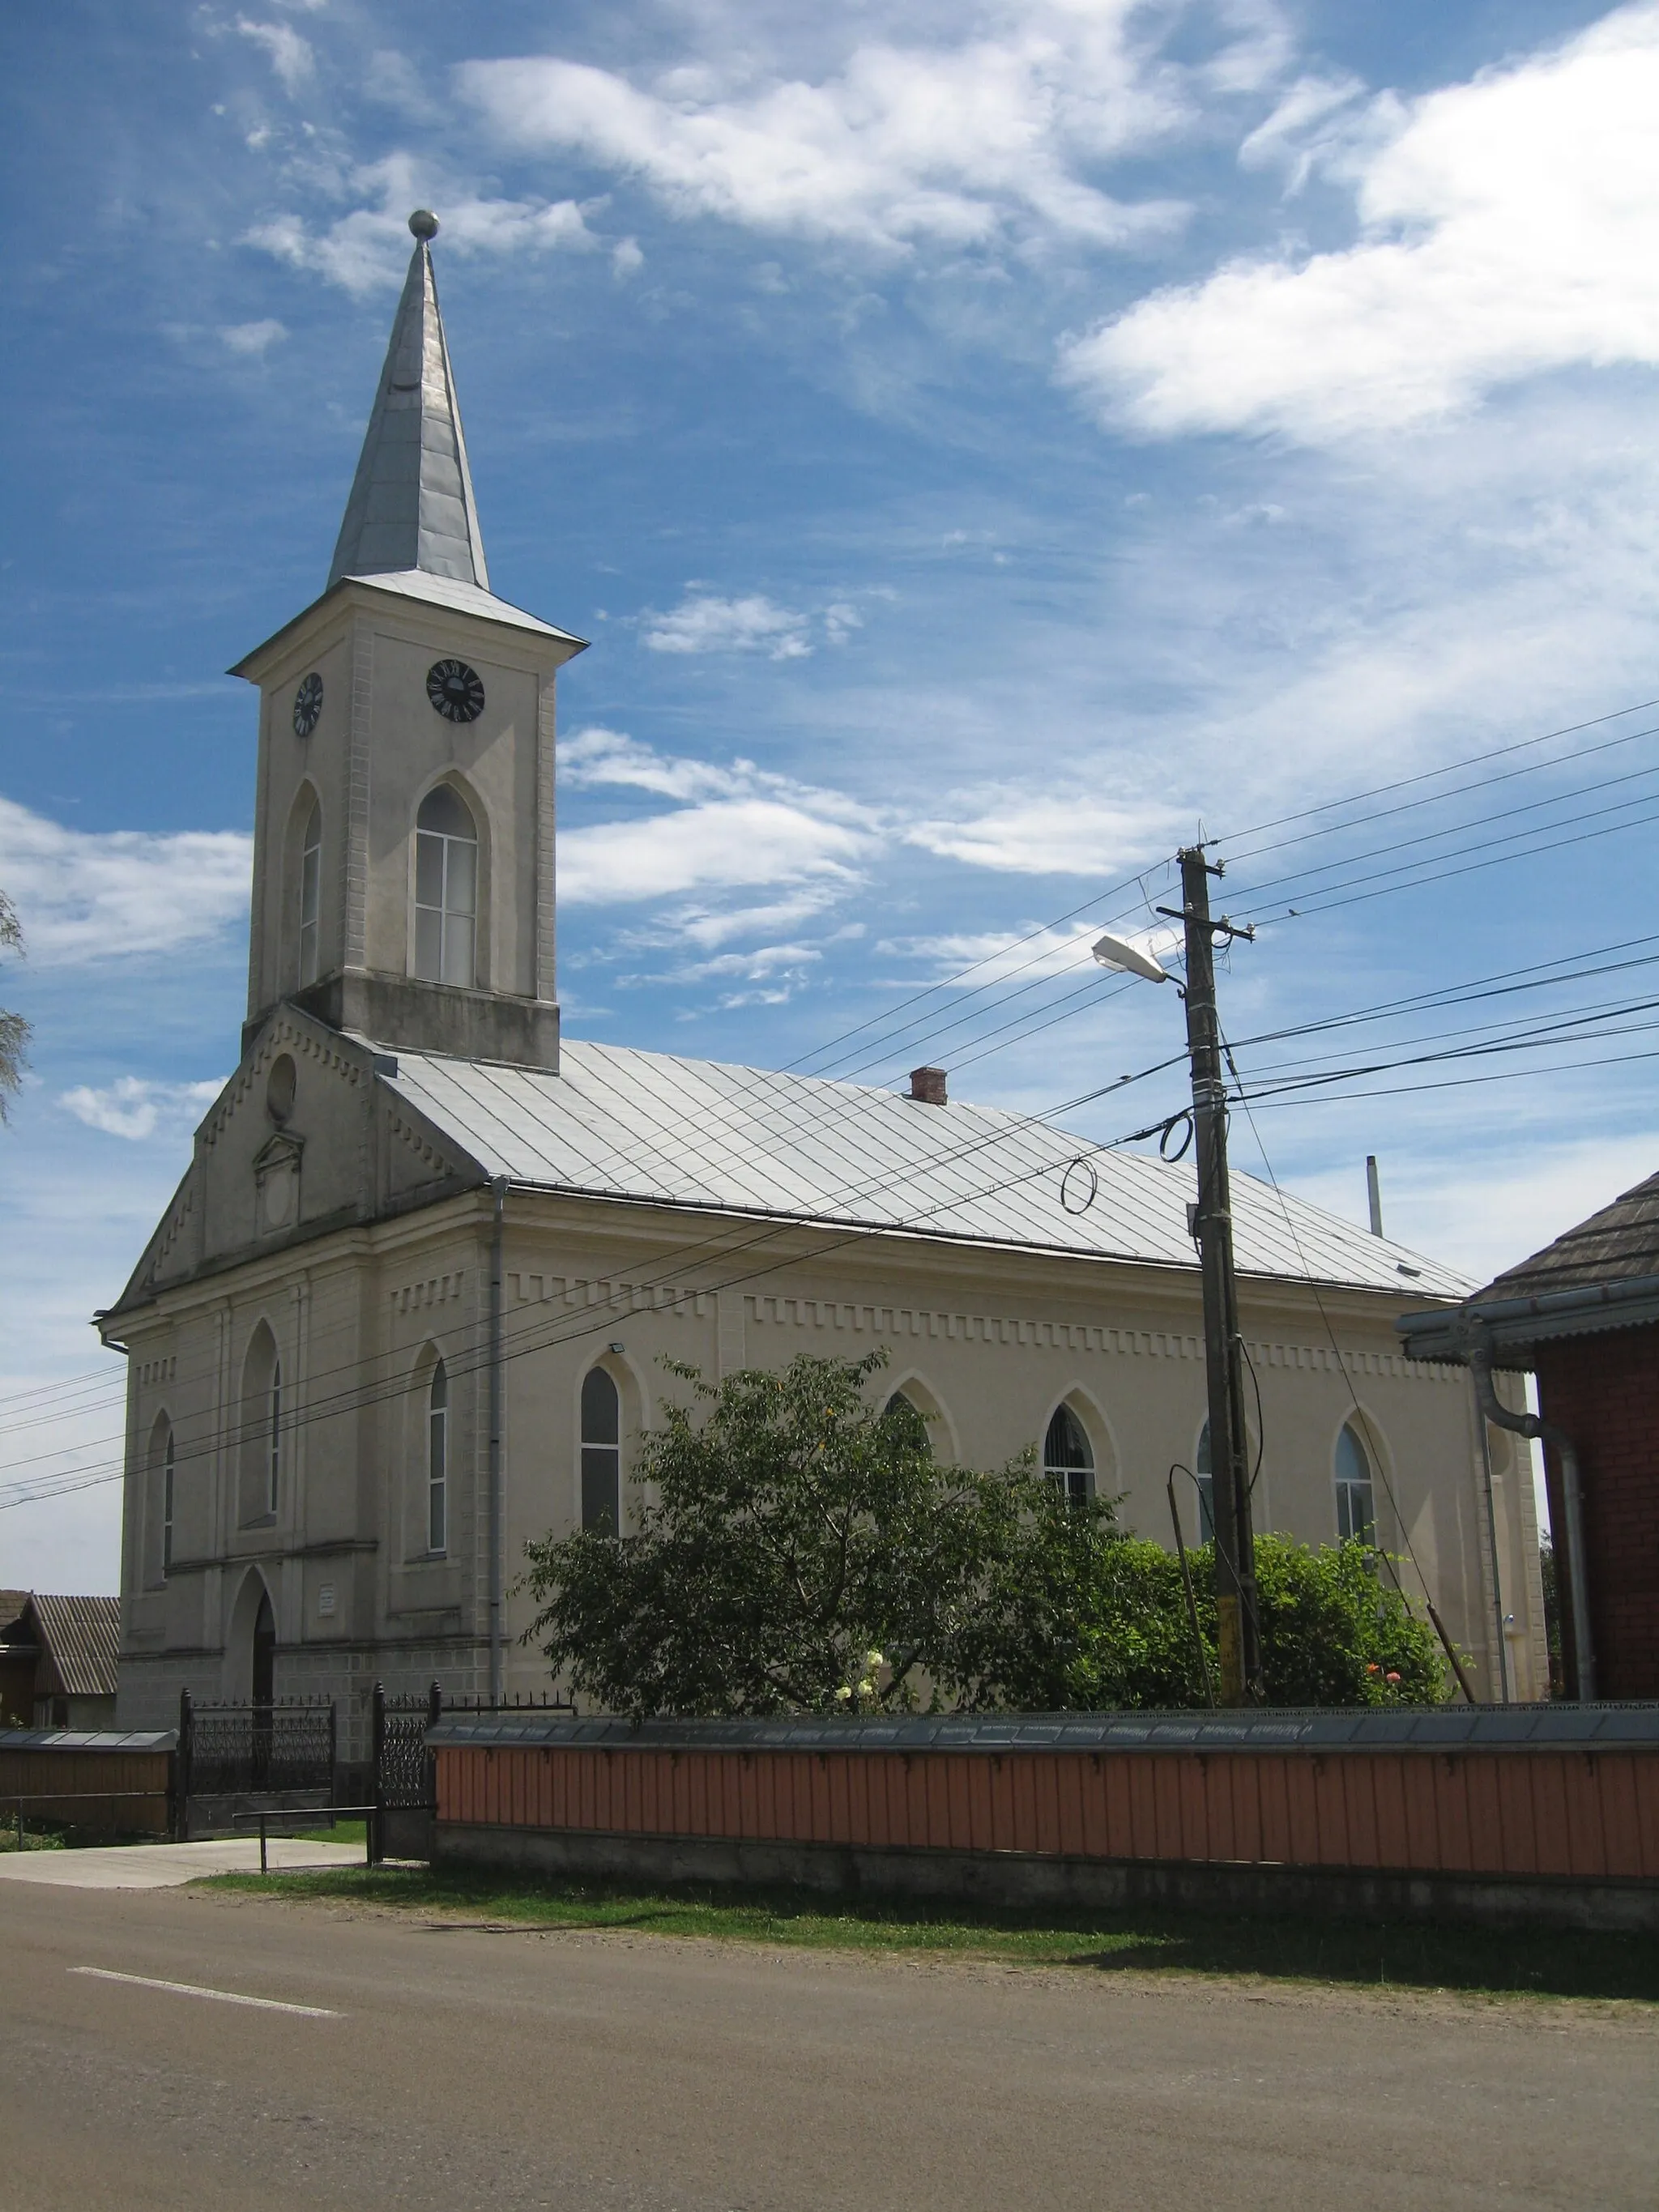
(626, 258)
(725, 841)
(1050, 834)
(960, 145)
(704, 623)
(98, 895)
(597, 755)
(1510, 227)
(290, 55)
(134, 1108)
(368, 249)
(254, 338)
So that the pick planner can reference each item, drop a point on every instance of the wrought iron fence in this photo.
(229, 1750)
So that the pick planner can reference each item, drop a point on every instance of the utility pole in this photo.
(1238, 1627)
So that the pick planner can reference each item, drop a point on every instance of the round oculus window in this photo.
(455, 690)
(307, 705)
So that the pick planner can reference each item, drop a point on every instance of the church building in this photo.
(410, 1304)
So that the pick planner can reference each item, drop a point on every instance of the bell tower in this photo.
(403, 822)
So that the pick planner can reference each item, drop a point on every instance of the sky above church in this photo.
(986, 445)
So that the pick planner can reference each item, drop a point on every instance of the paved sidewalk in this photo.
(164, 1866)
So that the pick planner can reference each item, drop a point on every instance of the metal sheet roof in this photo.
(411, 503)
(620, 1123)
(80, 1636)
(1442, 1727)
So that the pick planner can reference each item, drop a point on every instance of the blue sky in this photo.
(983, 442)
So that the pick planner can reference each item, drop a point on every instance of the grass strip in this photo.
(1490, 1962)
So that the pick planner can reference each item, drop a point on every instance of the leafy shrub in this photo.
(799, 1550)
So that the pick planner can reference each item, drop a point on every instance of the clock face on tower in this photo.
(307, 705)
(455, 690)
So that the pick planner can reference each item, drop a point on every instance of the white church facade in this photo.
(410, 1304)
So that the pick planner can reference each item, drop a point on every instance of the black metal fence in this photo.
(227, 1751)
(405, 1790)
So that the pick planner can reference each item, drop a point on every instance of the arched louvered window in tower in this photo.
(446, 890)
(437, 1461)
(601, 1452)
(1067, 1457)
(311, 897)
(1356, 1497)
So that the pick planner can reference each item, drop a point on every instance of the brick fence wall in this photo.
(1604, 1391)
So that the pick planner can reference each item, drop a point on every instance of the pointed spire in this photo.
(411, 504)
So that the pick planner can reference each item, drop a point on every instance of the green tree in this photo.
(14, 1030)
(788, 1530)
(799, 1550)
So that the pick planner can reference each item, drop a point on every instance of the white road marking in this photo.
(220, 1996)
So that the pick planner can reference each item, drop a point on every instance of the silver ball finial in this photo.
(423, 223)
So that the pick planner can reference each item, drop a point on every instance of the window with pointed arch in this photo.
(162, 1461)
(311, 896)
(601, 1453)
(437, 1459)
(446, 890)
(1205, 1477)
(260, 1483)
(916, 1421)
(1068, 1458)
(1355, 1496)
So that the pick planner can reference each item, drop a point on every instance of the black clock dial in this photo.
(307, 705)
(455, 690)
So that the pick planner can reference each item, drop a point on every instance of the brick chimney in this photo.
(927, 1083)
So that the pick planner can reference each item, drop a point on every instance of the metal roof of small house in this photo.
(79, 1640)
(1619, 1244)
(648, 1126)
(1602, 1275)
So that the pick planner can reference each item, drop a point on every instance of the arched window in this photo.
(916, 1421)
(166, 1505)
(311, 895)
(262, 1428)
(601, 1452)
(1356, 1507)
(1067, 1459)
(1205, 1475)
(158, 1512)
(274, 1435)
(446, 889)
(437, 1461)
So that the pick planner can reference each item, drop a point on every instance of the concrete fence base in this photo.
(1022, 1880)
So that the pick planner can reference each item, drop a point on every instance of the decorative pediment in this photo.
(277, 1183)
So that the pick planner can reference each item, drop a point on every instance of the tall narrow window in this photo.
(437, 1461)
(311, 896)
(166, 1505)
(1067, 1460)
(1356, 1508)
(446, 890)
(915, 1421)
(601, 1452)
(274, 1435)
(1205, 1475)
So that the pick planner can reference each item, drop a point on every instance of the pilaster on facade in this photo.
(545, 983)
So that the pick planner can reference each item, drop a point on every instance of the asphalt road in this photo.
(457, 2067)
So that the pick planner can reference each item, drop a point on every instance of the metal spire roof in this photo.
(411, 504)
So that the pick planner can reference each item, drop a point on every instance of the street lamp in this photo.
(1238, 1629)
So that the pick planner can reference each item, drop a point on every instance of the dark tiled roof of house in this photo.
(1619, 1243)
(12, 1605)
(80, 1638)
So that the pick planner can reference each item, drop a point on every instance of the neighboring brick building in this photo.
(1583, 1316)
